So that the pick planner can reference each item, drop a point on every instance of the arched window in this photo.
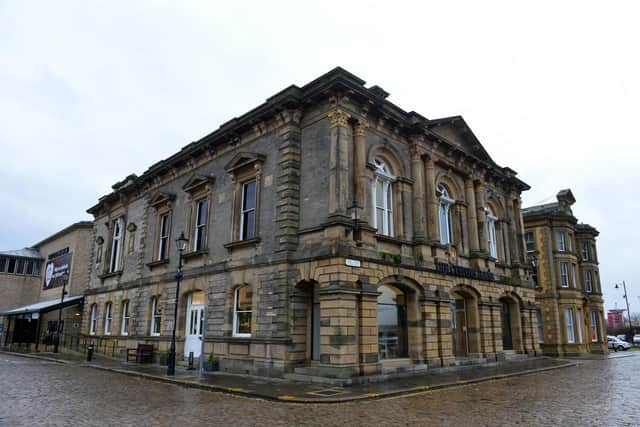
(156, 319)
(491, 233)
(116, 246)
(107, 319)
(444, 215)
(392, 322)
(382, 198)
(242, 311)
(93, 319)
(124, 330)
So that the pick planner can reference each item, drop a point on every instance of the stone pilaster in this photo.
(431, 332)
(482, 217)
(513, 242)
(368, 333)
(338, 337)
(288, 183)
(472, 217)
(419, 218)
(360, 166)
(433, 231)
(339, 163)
(504, 231)
(445, 337)
(517, 216)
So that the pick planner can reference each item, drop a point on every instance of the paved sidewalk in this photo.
(299, 392)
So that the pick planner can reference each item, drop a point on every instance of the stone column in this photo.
(433, 231)
(445, 338)
(472, 219)
(338, 339)
(482, 217)
(513, 243)
(430, 326)
(338, 163)
(359, 168)
(504, 230)
(368, 330)
(419, 219)
(519, 230)
(288, 182)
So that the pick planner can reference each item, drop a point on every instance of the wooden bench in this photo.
(143, 353)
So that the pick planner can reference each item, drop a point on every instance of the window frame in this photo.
(198, 224)
(243, 211)
(125, 316)
(386, 179)
(492, 240)
(236, 324)
(532, 241)
(561, 241)
(115, 258)
(564, 275)
(569, 325)
(445, 202)
(595, 333)
(164, 236)
(588, 281)
(108, 318)
(584, 253)
(540, 326)
(156, 318)
(93, 319)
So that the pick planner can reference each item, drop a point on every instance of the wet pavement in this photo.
(593, 392)
(305, 392)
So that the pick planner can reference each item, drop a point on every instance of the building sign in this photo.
(456, 270)
(57, 270)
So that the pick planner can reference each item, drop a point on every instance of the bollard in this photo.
(191, 360)
(89, 353)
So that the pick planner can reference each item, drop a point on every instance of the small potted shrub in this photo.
(211, 363)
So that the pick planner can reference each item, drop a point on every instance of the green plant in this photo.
(418, 260)
(396, 258)
(505, 280)
(211, 359)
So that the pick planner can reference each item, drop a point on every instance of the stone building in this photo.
(330, 233)
(568, 292)
(31, 283)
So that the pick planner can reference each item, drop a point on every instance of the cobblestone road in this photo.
(596, 392)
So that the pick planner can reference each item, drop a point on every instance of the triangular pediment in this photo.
(196, 181)
(161, 198)
(456, 131)
(243, 159)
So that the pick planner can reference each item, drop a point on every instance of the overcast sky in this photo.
(93, 91)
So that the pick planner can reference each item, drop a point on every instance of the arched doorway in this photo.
(392, 323)
(505, 316)
(459, 325)
(195, 323)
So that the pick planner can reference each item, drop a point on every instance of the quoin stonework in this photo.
(568, 292)
(331, 233)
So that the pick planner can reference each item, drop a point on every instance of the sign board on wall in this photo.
(57, 271)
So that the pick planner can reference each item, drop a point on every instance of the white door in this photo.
(195, 324)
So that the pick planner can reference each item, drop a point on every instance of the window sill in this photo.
(112, 274)
(390, 239)
(195, 254)
(155, 264)
(242, 243)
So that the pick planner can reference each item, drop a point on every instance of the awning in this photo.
(43, 306)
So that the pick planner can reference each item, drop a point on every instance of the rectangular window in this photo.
(594, 326)
(564, 274)
(11, 265)
(28, 267)
(540, 328)
(248, 213)
(588, 281)
(93, 321)
(155, 317)
(116, 246)
(163, 240)
(568, 318)
(529, 238)
(585, 251)
(579, 324)
(36, 268)
(560, 241)
(125, 318)
(242, 311)
(20, 266)
(107, 319)
(200, 232)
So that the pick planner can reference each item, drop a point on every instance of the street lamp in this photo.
(624, 287)
(181, 242)
(56, 343)
(356, 225)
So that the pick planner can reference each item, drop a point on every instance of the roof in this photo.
(295, 97)
(549, 208)
(23, 253)
(42, 306)
(69, 229)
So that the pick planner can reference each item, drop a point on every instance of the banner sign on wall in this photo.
(57, 271)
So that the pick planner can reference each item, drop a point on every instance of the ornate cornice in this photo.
(339, 117)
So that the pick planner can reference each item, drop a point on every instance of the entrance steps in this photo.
(511, 355)
(469, 361)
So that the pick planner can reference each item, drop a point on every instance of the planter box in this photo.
(210, 367)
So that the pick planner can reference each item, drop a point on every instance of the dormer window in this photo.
(444, 215)
(382, 196)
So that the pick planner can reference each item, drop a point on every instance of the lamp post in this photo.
(624, 287)
(356, 225)
(59, 326)
(181, 242)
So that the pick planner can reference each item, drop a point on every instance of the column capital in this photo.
(360, 127)
(338, 117)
